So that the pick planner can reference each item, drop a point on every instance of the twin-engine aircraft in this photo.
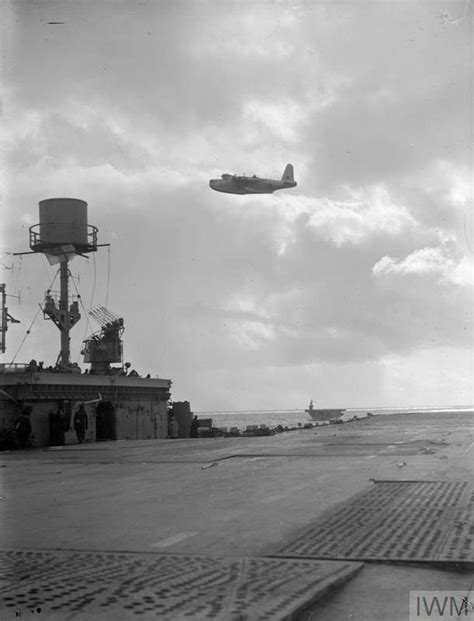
(235, 184)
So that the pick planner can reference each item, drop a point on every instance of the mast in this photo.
(62, 234)
(65, 326)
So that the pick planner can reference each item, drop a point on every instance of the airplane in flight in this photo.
(235, 184)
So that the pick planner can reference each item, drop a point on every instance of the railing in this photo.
(88, 244)
(13, 367)
(54, 298)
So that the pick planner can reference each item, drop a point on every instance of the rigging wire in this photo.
(108, 277)
(24, 338)
(32, 323)
(88, 326)
(46, 264)
(94, 281)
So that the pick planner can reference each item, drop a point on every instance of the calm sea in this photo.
(292, 418)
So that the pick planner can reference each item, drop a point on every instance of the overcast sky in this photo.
(354, 289)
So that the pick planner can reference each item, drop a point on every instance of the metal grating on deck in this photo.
(110, 585)
(422, 521)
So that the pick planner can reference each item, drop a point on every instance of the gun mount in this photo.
(105, 346)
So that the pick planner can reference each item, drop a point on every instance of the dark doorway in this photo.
(105, 421)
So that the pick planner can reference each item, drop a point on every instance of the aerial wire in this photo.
(2, 261)
(16, 275)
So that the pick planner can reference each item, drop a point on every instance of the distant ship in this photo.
(324, 414)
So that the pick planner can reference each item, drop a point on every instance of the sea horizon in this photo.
(296, 417)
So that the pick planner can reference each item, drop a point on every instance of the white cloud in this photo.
(448, 182)
(368, 214)
(251, 335)
(156, 100)
(445, 261)
(423, 261)
(245, 304)
(463, 272)
(372, 212)
(455, 183)
(282, 118)
(461, 192)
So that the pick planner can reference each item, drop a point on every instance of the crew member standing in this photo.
(23, 428)
(80, 423)
(57, 423)
(194, 428)
(173, 427)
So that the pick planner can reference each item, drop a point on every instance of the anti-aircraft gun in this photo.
(105, 346)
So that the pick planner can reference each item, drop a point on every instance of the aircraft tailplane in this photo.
(288, 174)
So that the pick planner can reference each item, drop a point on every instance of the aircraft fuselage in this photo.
(248, 185)
(237, 184)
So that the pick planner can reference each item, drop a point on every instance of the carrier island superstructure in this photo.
(119, 403)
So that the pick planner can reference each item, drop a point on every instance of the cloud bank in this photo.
(327, 291)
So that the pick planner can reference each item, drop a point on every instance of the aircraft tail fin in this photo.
(288, 174)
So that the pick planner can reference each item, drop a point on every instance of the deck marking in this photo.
(164, 543)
